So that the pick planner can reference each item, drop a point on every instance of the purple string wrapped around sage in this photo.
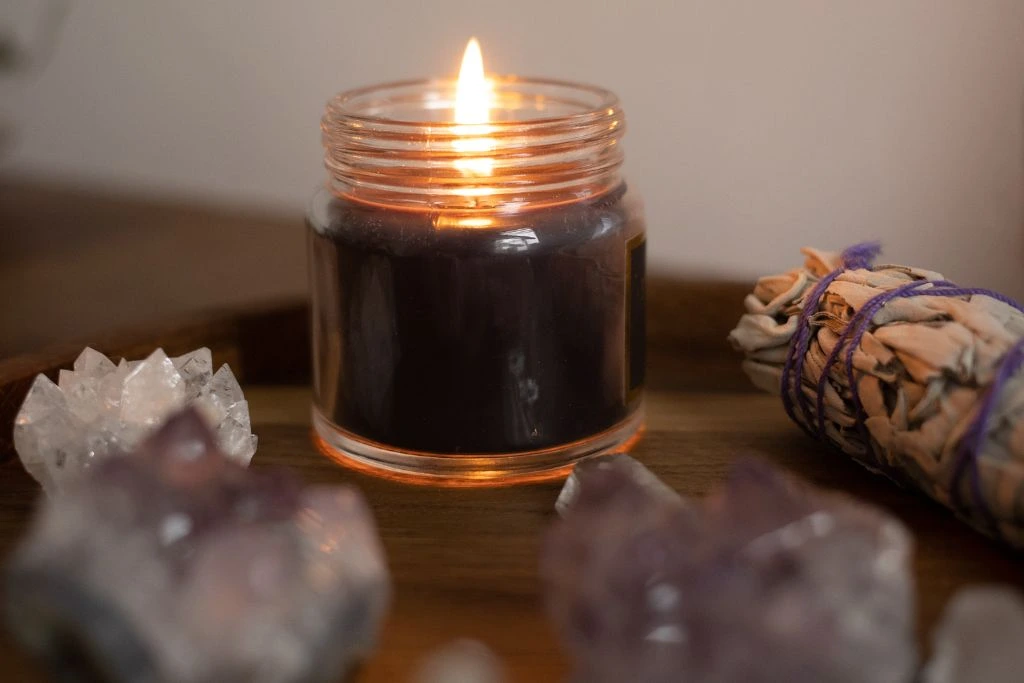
(913, 376)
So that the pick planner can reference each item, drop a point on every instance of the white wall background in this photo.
(754, 127)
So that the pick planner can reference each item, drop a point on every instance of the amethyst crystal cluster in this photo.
(178, 564)
(763, 581)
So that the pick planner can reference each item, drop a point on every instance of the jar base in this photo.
(467, 470)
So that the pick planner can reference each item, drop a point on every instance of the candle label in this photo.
(636, 314)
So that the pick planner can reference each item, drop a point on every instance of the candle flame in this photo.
(473, 101)
(473, 91)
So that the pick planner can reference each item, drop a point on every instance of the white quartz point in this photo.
(222, 392)
(633, 468)
(196, 368)
(980, 639)
(99, 408)
(84, 387)
(44, 410)
(234, 433)
(463, 661)
(93, 363)
(151, 391)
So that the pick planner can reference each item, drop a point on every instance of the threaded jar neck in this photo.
(547, 142)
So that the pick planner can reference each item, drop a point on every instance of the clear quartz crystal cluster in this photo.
(764, 581)
(99, 408)
(174, 564)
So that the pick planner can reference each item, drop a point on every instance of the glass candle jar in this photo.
(477, 291)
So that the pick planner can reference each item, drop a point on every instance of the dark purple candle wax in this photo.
(431, 335)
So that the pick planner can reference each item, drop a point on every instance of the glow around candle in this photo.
(473, 102)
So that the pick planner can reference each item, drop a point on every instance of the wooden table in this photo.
(464, 561)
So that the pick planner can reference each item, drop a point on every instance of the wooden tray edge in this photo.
(268, 343)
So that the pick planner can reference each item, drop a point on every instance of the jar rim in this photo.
(350, 104)
(546, 141)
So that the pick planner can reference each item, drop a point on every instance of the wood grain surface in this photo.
(464, 561)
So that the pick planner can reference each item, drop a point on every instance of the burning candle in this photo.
(477, 271)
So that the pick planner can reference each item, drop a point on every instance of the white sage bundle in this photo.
(913, 376)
